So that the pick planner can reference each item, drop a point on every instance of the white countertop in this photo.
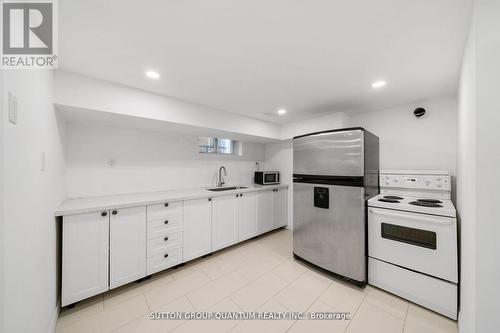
(92, 204)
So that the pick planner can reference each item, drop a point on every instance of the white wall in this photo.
(146, 161)
(466, 187)
(487, 43)
(407, 142)
(31, 196)
(479, 160)
(2, 270)
(317, 124)
(89, 93)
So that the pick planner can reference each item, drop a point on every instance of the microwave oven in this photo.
(266, 177)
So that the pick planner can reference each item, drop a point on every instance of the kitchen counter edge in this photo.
(93, 204)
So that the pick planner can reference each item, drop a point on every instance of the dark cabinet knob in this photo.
(165, 239)
(241, 194)
(209, 199)
(165, 256)
(114, 212)
(104, 214)
(166, 204)
(166, 222)
(237, 195)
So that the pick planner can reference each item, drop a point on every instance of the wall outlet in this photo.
(12, 108)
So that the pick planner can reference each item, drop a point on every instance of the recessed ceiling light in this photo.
(378, 84)
(281, 112)
(152, 75)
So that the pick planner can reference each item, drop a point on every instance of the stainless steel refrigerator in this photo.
(334, 173)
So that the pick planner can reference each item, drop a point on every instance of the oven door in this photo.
(421, 242)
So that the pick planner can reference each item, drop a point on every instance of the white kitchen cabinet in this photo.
(85, 244)
(127, 238)
(224, 221)
(247, 215)
(102, 250)
(280, 204)
(265, 207)
(197, 228)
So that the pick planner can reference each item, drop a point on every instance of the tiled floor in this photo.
(258, 275)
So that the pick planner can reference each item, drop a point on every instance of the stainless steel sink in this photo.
(228, 188)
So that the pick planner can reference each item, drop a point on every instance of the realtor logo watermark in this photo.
(29, 35)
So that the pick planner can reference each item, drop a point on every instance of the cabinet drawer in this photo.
(163, 227)
(166, 209)
(164, 244)
(164, 261)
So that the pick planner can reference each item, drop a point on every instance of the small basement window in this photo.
(210, 145)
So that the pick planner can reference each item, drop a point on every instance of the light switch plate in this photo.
(12, 108)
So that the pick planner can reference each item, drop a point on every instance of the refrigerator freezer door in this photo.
(329, 228)
(329, 154)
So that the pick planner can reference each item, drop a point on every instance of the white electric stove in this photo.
(412, 239)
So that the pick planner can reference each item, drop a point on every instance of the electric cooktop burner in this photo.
(392, 197)
(425, 203)
(388, 200)
(430, 201)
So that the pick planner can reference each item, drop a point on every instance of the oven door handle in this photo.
(441, 221)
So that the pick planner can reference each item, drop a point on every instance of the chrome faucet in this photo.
(221, 182)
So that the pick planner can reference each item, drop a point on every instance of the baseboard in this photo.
(53, 319)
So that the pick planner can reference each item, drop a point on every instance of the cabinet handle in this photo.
(165, 256)
(114, 212)
(104, 214)
(166, 204)
(166, 222)
(237, 195)
(241, 194)
(165, 239)
(209, 199)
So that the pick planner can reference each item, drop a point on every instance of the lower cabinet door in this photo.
(224, 221)
(197, 228)
(84, 256)
(127, 245)
(265, 216)
(247, 216)
(280, 199)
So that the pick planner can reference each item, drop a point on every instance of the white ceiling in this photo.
(253, 57)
